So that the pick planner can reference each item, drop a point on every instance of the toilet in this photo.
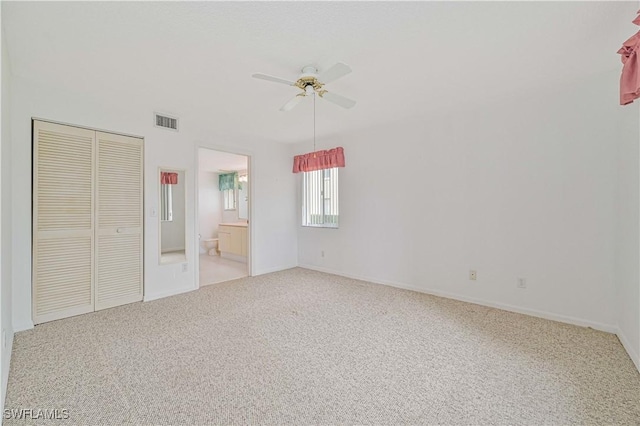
(211, 245)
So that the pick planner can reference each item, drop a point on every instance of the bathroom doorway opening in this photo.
(224, 247)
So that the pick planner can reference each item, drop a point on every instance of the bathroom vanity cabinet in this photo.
(232, 238)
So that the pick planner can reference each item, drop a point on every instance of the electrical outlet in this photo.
(153, 212)
(522, 283)
(185, 267)
(473, 275)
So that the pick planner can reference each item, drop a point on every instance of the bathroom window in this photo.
(320, 198)
(229, 196)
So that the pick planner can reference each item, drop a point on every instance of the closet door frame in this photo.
(34, 189)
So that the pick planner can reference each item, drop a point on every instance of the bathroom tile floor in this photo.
(215, 269)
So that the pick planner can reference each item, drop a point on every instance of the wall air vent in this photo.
(166, 122)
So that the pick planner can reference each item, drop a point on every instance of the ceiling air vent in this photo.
(164, 121)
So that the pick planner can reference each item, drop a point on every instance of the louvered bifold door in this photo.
(119, 161)
(63, 221)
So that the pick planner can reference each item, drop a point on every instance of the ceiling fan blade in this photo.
(334, 73)
(293, 102)
(274, 79)
(337, 99)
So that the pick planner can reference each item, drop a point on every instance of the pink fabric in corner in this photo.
(318, 160)
(630, 78)
(167, 178)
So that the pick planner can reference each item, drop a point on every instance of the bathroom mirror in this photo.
(243, 196)
(172, 214)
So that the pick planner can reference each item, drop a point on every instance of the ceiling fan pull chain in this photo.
(314, 125)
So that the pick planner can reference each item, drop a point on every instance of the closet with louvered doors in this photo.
(87, 220)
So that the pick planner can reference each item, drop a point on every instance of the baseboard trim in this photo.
(5, 369)
(22, 326)
(635, 357)
(506, 307)
(275, 269)
(162, 295)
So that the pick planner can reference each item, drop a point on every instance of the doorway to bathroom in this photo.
(223, 216)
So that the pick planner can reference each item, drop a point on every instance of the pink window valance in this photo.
(168, 178)
(319, 160)
(630, 78)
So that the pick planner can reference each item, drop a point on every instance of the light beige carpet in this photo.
(303, 347)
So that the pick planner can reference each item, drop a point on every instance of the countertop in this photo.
(242, 224)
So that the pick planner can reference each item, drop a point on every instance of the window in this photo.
(166, 203)
(229, 196)
(227, 184)
(320, 198)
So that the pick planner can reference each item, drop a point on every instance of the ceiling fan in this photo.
(311, 83)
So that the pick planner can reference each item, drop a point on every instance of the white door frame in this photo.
(250, 167)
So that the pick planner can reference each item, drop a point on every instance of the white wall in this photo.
(628, 231)
(524, 188)
(273, 210)
(209, 206)
(173, 233)
(5, 225)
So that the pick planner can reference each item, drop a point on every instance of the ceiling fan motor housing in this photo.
(308, 80)
(309, 71)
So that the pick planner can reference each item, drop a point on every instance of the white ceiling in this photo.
(410, 59)
(217, 161)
